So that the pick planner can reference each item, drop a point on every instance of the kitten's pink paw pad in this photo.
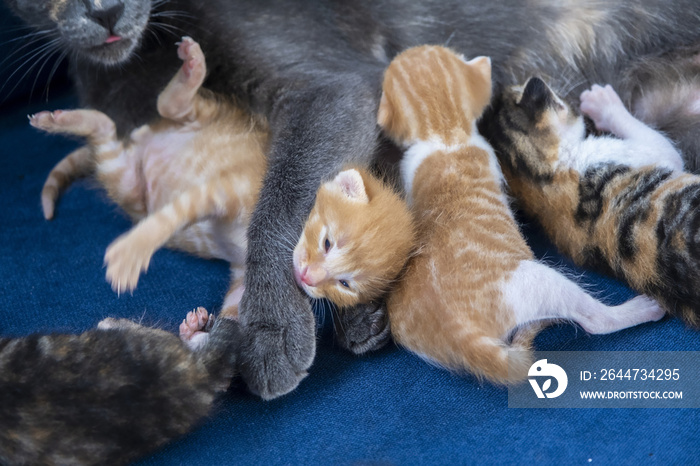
(126, 258)
(602, 105)
(195, 327)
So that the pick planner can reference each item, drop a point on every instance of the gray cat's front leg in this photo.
(318, 131)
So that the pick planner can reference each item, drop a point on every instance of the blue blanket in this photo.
(387, 407)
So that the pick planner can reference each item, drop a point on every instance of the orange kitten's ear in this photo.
(480, 70)
(385, 111)
(351, 184)
(483, 64)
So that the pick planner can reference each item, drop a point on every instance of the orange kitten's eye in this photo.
(327, 245)
(344, 283)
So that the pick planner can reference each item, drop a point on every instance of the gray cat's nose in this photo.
(108, 15)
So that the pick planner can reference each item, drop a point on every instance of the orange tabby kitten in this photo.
(178, 177)
(474, 283)
(356, 241)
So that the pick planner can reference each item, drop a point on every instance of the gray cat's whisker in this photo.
(48, 48)
(60, 59)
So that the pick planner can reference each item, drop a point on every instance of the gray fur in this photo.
(314, 70)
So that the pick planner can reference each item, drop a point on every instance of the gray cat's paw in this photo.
(275, 357)
(364, 327)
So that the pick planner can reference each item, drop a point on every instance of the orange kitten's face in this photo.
(355, 242)
(432, 92)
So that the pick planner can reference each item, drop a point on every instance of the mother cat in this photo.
(314, 70)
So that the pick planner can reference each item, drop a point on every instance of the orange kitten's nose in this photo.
(312, 276)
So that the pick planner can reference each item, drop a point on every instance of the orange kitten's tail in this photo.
(77, 164)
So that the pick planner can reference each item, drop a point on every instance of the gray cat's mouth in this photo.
(115, 49)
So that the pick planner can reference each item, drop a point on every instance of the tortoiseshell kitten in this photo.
(619, 203)
(473, 297)
(111, 394)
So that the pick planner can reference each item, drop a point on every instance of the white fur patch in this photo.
(537, 292)
(421, 150)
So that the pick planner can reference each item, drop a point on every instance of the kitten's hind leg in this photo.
(537, 292)
(178, 100)
(605, 108)
(131, 253)
(97, 127)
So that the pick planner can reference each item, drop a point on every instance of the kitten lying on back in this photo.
(111, 394)
(190, 179)
(474, 284)
(620, 203)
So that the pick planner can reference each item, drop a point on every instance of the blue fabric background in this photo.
(388, 407)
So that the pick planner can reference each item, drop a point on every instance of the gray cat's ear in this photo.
(351, 184)
(385, 111)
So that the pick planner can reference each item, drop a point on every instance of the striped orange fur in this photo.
(77, 164)
(355, 242)
(473, 296)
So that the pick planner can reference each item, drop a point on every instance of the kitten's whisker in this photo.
(319, 312)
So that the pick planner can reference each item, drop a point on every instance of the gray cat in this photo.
(109, 395)
(314, 70)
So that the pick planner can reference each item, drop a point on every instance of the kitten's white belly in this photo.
(170, 164)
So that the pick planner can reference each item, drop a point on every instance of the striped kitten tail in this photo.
(77, 164)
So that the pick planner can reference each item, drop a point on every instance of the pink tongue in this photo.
(111, 39)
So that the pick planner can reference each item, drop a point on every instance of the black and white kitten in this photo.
(314, 70)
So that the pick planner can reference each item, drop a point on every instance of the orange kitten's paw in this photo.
(603, 106)
(47, 121)
(195, 327)
(125, 259)
(194, 67)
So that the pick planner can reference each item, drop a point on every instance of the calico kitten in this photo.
(474, 283)
(620, 203)
(355, 242)
(190, 179)
(109, 395)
